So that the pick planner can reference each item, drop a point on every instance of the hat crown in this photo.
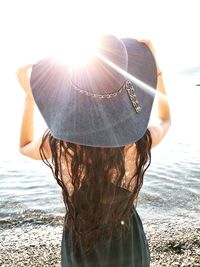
(76, 116)
(97, 76)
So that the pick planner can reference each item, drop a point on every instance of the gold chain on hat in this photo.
(128, 86)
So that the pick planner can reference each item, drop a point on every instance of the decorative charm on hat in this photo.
(131, 92)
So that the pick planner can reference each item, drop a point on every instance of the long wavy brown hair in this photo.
(90, 178)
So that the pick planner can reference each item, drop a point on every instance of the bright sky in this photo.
(32, 29)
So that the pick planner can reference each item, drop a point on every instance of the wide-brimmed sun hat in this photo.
(98, 104)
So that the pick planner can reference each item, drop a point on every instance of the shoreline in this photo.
(172, 243)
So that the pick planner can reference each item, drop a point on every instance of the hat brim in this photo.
(90, 121)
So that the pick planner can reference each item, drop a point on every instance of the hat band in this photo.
(128, 86)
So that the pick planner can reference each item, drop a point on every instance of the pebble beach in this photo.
(172, 244)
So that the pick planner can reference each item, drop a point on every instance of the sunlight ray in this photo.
(143, 85)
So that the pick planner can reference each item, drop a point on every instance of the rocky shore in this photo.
(172, 244)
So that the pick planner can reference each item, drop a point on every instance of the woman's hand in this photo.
(149, 44)
(24, 79)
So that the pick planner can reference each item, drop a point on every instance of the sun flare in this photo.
(76, 51)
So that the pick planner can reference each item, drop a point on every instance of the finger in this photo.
(147, 42)
(25, 68)
(29, 66)
(23, 72)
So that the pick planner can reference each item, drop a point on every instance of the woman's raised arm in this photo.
(159, 130)
(27, 145)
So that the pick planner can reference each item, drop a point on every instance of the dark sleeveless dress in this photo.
(118, 250)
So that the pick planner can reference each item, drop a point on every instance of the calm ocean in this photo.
(171, 190)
